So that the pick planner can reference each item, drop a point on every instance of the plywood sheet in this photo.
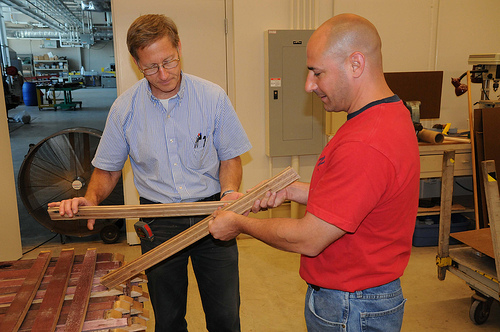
(491, 126)
(479, 239)
(423, 86)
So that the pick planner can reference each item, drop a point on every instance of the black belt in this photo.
(316, 288)
(214, 197)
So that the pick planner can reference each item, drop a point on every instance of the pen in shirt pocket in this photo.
(198, 138)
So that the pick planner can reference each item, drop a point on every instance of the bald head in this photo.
(345, 34)
(344, 59)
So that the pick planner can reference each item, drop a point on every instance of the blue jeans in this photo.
(215, 264)
(374, 309)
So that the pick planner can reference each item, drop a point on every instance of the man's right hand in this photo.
(69, 207)
(296, 192)
(269, 201)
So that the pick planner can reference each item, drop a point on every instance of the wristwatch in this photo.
(226, 192)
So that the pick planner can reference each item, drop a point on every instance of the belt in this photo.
(214, 197)
(316, 288)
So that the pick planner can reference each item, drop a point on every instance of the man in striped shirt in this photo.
(184, 141)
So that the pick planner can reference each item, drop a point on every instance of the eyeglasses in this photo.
(167, 64)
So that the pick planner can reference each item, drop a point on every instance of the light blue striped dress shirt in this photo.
(175, 153)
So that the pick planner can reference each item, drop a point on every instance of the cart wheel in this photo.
(110, 233)
(479, 311)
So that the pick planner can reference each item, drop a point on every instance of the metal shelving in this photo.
(51, 67)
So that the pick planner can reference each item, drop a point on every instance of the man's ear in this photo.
(179, 47)
(136, 62)
(357, 63)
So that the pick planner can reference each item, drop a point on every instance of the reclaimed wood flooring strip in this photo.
(46, 319)
(10, 283)
(140, 211)
(61, 320)
(26, 264)
(78, 308)
(11, 289)
(5, 299)
(196, 232)
(93, 325)
(14, 274)
(6, 285)
(7, 276)
(21, 303)
(6, 267)
(103, 324)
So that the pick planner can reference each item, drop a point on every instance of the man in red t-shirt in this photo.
(355, 238)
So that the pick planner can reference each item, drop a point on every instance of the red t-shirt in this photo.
(366, 182)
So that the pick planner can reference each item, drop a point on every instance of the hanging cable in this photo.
(38, 246)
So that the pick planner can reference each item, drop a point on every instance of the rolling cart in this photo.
(475, 262)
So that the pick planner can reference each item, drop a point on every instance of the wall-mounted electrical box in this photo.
(294, 118)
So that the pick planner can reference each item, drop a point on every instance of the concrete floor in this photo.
(95, 106)
(272, 292)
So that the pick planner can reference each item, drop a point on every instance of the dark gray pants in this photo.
(215, 265)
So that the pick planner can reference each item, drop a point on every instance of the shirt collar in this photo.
(179, 94)
(391, 99)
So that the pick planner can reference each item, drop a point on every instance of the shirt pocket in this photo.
(202, 155)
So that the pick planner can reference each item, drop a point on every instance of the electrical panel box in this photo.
(294, 118)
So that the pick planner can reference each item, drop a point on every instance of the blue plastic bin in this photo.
(427, 234)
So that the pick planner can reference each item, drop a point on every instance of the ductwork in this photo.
(32, 34)
(59, 19)
(96, 5)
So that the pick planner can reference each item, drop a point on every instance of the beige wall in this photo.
(433, 35)
(417, 36)
(10, 236)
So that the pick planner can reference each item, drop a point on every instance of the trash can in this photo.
(29, 94)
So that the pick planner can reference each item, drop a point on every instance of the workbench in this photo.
(431, 166)
(431, 159)
(52, 102)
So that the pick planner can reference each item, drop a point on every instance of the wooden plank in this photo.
(104, 324)
(445, 211)
(97, 314)
(70, 292)
(473, 149)
(140, 211)
(95, 305)
(436, 209)
(21, 303)
(195, 232)
(21, 271)
(493, 204)
(46, 319)
(104, 268)
(78, 308)
(98, 325)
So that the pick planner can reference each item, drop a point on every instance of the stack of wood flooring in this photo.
(65, 294)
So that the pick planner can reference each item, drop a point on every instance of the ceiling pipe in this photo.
(60, 17)
(31, 34)
(19, 7)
